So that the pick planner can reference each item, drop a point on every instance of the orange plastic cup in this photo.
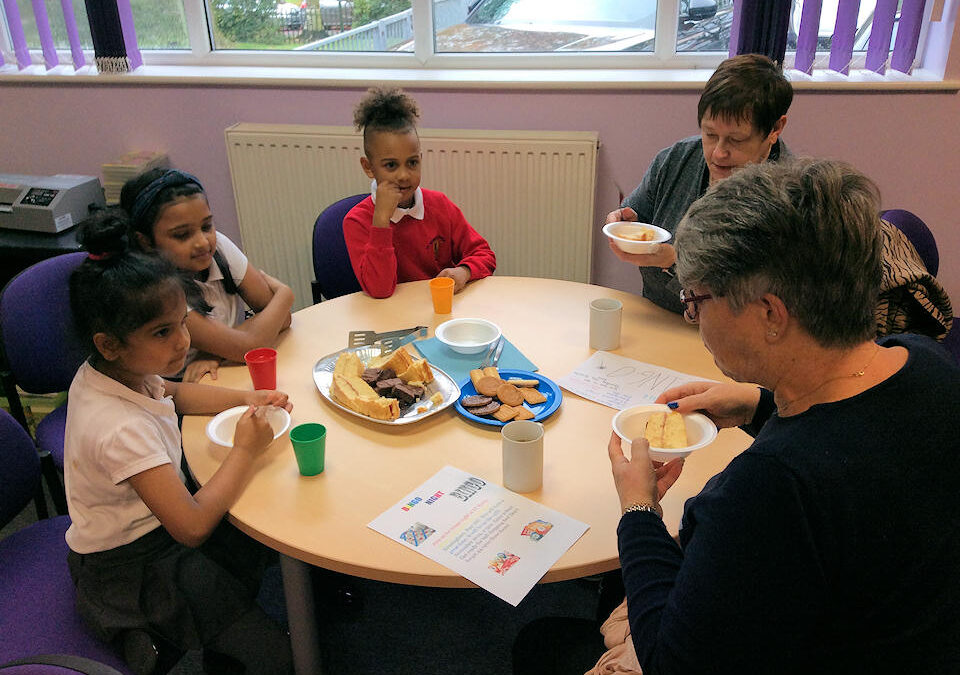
(441, 290)
(262, 364)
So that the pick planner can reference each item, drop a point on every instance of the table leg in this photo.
(301, 615)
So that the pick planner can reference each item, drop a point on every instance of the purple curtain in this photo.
(49, 50)
(76, 50)
(908, 35)
(841, 47)
(807, 35)
(762, 28)
(20, 49)
(881, 31)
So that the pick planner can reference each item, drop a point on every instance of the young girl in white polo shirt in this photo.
(170, 215)
(153, 563)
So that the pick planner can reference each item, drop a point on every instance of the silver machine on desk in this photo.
(47, 203)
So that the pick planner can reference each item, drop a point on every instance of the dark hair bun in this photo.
(106, 233)
(386, 109)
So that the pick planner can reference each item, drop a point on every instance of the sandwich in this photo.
(666, 430)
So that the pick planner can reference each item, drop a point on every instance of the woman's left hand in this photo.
(640, 480)
(269, 397)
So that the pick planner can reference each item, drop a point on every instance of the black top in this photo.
(832, 544)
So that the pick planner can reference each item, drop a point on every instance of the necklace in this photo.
(786, 406)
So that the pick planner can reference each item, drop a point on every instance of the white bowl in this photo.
(631, 422)
(221, 428)
(616, 231)
(468, 336)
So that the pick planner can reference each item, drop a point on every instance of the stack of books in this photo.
(120, 170)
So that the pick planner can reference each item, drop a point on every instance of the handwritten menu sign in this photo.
(497, 539)
(619, 382)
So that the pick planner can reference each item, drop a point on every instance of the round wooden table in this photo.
(322, 520)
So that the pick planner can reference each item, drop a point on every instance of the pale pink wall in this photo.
(907, 142)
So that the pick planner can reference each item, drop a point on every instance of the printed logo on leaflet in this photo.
(416, 500)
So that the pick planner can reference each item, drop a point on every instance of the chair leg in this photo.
(52, 477)
(40, 502)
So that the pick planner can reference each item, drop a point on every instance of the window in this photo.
(452, 34)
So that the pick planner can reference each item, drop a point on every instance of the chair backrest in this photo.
(919, 235)
(21, 468)
(36, 326)
(331, 262)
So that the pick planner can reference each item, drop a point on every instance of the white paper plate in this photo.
(631, 422)
(221, 428)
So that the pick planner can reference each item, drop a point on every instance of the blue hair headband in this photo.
(170, 178)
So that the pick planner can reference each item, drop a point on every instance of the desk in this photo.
(322, 520)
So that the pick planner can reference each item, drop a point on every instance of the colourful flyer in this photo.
(497, 539)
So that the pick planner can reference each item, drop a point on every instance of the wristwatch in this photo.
(636, 506)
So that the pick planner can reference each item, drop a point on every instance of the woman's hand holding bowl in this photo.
(639, 480)
(727, 404)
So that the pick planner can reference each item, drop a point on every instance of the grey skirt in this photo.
(185, 595)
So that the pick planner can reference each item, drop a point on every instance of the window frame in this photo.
(662, 66)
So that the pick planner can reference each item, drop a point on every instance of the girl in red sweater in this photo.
(401, 232)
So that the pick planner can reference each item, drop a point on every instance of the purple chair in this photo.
(56, 664)
(331, 261)
(42, 351)
(919, 235)
(37, 597)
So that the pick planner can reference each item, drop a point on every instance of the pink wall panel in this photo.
(905, 141)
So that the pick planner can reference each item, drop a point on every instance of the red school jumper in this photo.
(411, 249)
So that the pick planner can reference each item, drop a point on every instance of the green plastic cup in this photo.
(309, 444)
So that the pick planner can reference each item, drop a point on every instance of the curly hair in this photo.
(385, 109)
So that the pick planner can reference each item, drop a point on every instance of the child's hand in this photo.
(388, 199)
(269, 397)
(460, 276)
(253, 430)
(197, 369)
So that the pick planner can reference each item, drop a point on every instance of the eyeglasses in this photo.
(691, 304)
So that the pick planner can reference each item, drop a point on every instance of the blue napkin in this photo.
(458, 366)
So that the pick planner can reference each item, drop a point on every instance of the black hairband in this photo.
(170, 178)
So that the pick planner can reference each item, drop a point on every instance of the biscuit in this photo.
(474, 401)
(532, 396)
(523, 413)
(487, 386)
(516, 382)
(487, 409)
(491, 371)
(505, 413)
(509, 394)
(475, 376)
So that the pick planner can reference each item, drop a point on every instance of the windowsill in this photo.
(461, 78)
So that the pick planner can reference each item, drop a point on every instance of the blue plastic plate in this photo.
(541, 411)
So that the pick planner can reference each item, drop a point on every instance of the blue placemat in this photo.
(458, 366)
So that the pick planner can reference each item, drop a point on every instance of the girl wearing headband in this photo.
(170, 215)
(154, 562)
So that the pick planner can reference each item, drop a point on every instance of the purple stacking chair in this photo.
(331, 261)
(919, 235)
(42, 351)
(56, 664)
(37, 596)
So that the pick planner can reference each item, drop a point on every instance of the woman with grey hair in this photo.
(831, 543)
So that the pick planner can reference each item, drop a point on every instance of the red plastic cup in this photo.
(262, 364)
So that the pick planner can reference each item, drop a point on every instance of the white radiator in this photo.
(530, 194)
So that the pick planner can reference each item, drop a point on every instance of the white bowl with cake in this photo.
(468, 336)
(631, 423)
(636, 237)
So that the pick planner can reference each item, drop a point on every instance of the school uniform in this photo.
(129, 572)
